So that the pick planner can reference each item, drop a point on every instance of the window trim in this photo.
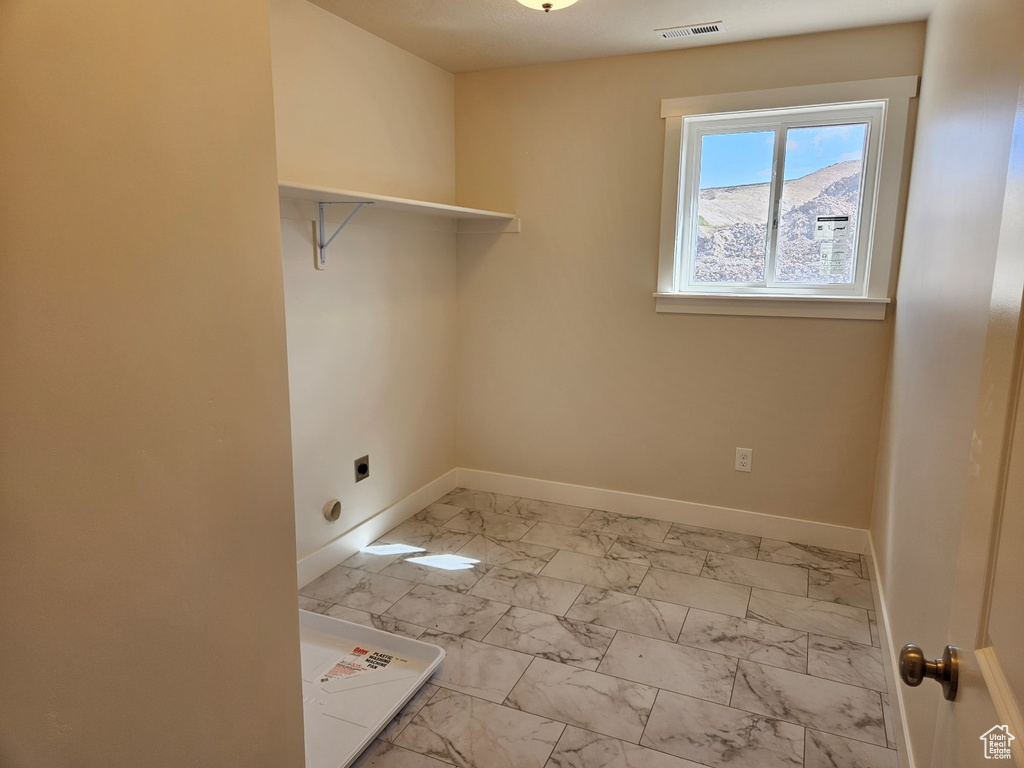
(896, 93)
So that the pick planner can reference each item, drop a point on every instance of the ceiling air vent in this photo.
(709, 28)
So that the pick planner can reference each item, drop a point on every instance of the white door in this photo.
(987, 619)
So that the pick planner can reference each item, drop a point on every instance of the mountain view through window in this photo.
(822, 183)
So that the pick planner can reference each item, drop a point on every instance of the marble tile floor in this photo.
(589, 639)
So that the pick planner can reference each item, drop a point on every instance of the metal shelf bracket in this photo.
(321, 255)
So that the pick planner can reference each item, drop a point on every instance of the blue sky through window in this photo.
(734, 159)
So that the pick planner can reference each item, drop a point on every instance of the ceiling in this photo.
(471, 35)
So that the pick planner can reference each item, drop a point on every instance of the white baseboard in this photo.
(809, 532)
(686, 512)
(351, 541)
(890, 662)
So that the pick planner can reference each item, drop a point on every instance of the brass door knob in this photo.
(914, 668)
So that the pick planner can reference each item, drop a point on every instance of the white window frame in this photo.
(780, 121)
(867, 297)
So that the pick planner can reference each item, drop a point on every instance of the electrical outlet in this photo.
(362, 468)
(744, 459)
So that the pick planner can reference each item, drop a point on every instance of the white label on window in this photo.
(831, 227)
(835, 257)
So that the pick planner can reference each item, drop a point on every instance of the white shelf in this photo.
(467, 220)
(311, 194)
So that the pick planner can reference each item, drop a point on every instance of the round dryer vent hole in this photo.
(332, 511)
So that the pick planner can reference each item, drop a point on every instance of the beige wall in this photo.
(355, 112)
(565, 371)
(970, 84)
(371, 357)
(371, 339)
(147, 580)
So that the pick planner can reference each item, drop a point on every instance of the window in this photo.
(780, 210)
(773, 201)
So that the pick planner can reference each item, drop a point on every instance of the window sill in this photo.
(839, 307)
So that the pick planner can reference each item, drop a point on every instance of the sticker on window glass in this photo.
(835, 257)
(831, 227)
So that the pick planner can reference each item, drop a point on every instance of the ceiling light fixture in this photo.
(547, 5)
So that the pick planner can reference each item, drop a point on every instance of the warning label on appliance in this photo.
(359, 662)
